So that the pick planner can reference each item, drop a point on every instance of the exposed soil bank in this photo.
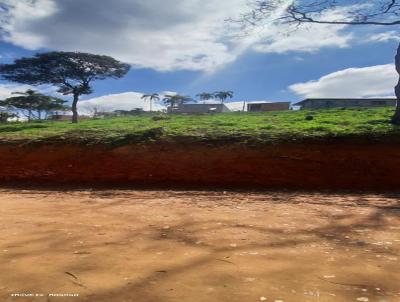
(330, 165)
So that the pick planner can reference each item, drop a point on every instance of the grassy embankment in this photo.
(273, 127)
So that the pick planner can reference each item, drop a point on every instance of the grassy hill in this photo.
(272, 127)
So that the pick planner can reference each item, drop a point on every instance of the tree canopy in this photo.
(32, 104)
(71, 72)
(151, 97)
(205, 96)
(223, 95)
(353, 12)
(175, 100)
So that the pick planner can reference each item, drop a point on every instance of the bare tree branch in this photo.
(358, 12)
(376, 12)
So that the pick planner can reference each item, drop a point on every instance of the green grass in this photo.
(269, 127)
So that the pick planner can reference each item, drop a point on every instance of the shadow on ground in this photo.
(122, 245)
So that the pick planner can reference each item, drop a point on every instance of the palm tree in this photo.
(223, 95)
(175, 100)
(205, 96)
(151, 97)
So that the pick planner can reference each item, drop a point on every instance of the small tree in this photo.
(32, 102)
(5, 116)
(223, 95)
(27, 100)
(151, 98)
(360, 12)
(71, 72)
(93, 110)
(52, 105)
(205, 96)
(176, 100)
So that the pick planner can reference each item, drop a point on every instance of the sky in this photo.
(188, 47)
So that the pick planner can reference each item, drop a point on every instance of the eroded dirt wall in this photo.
(362, 165)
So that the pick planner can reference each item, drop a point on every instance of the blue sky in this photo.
(186, 52)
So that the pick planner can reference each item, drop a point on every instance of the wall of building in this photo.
(201, 108)
(268, 106)
(332, 103)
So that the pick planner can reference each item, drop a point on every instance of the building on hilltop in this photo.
(199, 108)
(326, 103)
(268, 106)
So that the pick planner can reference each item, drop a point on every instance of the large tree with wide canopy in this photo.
(72, 72)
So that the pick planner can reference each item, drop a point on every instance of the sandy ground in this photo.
(121, 245)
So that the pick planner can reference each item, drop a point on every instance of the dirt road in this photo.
(121, 245)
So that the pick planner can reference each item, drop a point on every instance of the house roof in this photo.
(205, 105)
(258, 103)
(344, 99)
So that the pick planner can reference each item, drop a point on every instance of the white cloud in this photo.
(385, 37)
(373, 81)
(283, 38)
(19, 16)
(6, 90)
(119, 101)
(159, 34)
(310, 39)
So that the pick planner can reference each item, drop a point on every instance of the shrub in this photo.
(160, 117)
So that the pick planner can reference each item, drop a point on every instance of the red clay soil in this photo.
(329, 165)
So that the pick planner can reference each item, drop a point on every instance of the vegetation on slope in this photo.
(271, 127)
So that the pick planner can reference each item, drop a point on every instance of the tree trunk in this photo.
(74, 109)
(396, 116)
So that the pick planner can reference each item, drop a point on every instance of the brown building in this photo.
(344, 103)
(277, 106)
